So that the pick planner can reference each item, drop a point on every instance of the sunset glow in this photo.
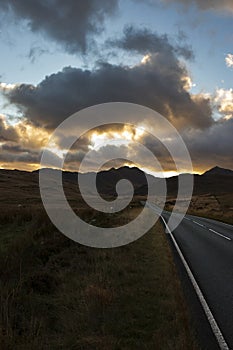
(138, 60)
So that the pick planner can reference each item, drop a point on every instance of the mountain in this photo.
(106, 180)
(219, 171)
(21, 187)
(214, 181)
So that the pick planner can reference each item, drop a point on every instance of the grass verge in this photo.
(57, 294)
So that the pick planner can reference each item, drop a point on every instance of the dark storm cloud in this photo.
(14, 154)
(213, 146)
(71, 23)
(159, 83)
(144, 41)
(13, 148)
(208, 148)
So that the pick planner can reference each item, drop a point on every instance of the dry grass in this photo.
(217, 207)
(213, 206)
(56, 294)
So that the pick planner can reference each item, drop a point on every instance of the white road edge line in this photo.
(219, 234)
(215, 328)
(198, 223)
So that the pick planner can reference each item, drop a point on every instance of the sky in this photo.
(173, 56)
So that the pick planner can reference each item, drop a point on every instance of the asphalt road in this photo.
(207, 247)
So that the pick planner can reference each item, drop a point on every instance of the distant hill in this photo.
(107, 180)
(214, 181)
(219, 171)
(18, 187)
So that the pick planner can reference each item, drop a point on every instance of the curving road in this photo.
(207, 248)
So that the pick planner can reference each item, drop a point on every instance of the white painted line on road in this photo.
(225, 224)
(187, 219)
(219, 234)
(213, 323)
(195, 222)
(210, 229)
(212, 221)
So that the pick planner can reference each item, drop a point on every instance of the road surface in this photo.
(207, 247)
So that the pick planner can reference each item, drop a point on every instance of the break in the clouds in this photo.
(207, 148)
(229, 60)
(160, 82)
(71, 23)
(22, 148)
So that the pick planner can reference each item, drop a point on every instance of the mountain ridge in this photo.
(218, 171)
(22, 187)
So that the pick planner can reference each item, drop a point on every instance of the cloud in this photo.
(21, 144)
(35, 52)
(216, 5)
(207, 148)
(7, 87)
(159, 83)
(97, 156)
(71, 23)
(223, 100)
(7, 132)
(229, 60)
(15, 153)
(223, 5)
(212, 146)
(144, 41)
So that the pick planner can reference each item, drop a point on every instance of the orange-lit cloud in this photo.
(127, 133)
(21, 145)
(224, 101)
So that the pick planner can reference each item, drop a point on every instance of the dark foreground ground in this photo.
(57, 294)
